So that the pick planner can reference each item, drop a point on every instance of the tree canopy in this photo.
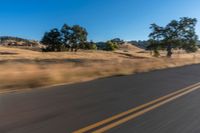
(52, 40)
(67, 37)
(178, 34)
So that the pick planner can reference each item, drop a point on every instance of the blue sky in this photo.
(104, 19)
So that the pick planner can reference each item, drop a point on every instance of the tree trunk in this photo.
(169, 51)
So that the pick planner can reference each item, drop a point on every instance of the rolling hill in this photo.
(20, 43)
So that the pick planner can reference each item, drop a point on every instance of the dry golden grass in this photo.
(24, 69)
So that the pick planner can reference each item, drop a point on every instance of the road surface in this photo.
(162, 101)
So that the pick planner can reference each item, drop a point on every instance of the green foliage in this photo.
(52, 40)
(70, 38)
(66, 36)
(190, 47)
(111, 46)
(117, 41)
(78, 36)
(155, 47)
(88, 46)
(177, 34)
(92, 46)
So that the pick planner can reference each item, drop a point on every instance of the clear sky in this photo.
(104, 19)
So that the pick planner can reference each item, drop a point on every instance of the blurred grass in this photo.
(30, 69)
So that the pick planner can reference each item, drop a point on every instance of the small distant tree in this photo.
(176, 35)
(52, 40)
(111, 46)
(88, 46)
(117, 41)
(92, 46)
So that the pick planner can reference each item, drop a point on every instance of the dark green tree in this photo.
(74, 37)
(177, 34)
(188, 37)
(70, 38)
(53, 41)
(156, 38)
(78, 36)
(66, 36)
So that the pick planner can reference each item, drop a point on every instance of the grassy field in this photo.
(25, 69)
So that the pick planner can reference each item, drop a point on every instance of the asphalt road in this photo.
(68, 108)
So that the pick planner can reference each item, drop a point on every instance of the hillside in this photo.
(140, 44)
(20, 43)
(27, 69)
(129, 47)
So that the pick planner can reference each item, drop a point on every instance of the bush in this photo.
(111, 46)
(93, 46)
(88, 46)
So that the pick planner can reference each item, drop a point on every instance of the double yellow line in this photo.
(130, 114)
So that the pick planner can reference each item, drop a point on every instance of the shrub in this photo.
(111, 46)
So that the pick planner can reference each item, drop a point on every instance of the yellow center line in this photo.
(100, 123)
(128, 118)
